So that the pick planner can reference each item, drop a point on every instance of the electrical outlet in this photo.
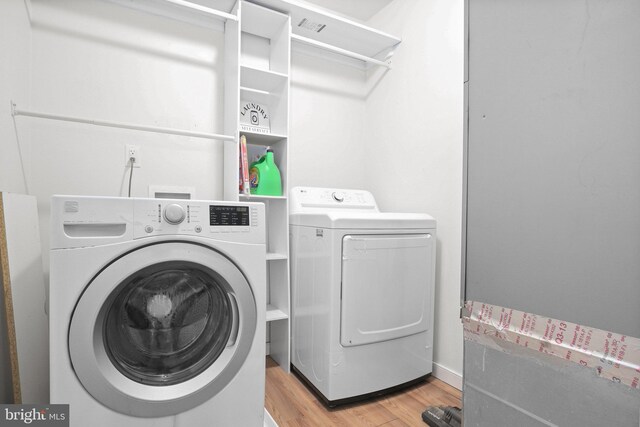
(132, 151)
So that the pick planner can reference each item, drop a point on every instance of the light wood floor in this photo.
(291, 403)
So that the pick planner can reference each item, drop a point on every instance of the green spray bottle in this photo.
(264, 176)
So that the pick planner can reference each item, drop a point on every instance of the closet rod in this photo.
(16, 112)
(204, 9)
(340, 50)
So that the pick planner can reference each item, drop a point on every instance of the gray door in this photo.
(162, 329)
(553, 198)
(553, 194)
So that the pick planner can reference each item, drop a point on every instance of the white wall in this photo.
(15, 63)
(414, 144)
(327, 108)
(99, 60)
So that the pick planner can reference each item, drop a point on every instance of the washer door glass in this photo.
(167, 323)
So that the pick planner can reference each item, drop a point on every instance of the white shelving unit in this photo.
(265, 42)
(258, 36)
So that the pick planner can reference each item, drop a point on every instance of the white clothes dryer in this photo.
(363, 294)
(157, 311)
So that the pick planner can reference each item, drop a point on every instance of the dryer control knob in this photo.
(174, 214)
(338, 197)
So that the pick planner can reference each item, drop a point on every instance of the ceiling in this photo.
(361, 10)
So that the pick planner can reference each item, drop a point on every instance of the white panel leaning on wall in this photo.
(24, 298)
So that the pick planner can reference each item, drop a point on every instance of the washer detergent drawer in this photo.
(387, 283)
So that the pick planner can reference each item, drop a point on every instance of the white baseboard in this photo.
(450, 377)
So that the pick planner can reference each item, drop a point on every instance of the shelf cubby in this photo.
(266, 38)
(278, 312)
(270, 89)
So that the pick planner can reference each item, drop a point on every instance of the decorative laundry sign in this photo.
(254, 117)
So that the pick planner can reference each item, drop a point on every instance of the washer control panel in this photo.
(199, 218)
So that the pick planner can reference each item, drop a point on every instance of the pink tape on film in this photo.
(613, 356)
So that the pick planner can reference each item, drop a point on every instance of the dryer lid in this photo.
(364, 220)
(347, 209)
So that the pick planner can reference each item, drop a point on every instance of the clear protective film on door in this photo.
(386, 287)
(162, 329)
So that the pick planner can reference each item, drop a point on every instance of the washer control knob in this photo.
(148, 229)
(198, 229)
(174, 214)
(338, 197)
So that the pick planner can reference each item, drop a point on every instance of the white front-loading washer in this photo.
(157, 311)
(363, 294)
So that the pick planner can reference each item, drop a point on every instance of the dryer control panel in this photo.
(310, 199)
